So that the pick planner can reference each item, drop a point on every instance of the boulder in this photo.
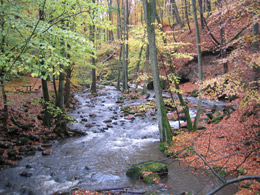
(149, 171)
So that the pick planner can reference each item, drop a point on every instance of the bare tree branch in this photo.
(249, 177)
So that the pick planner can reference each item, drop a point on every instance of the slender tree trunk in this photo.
(223, 50)
(119, 36)
(5, 113)
(164, 125)
(195, 126)
(67, 87)
(125, 49)
(93, 60)
(138, 66)
(46, 97)
(126, 46)
(183, 103)
(45, 90)
(208, 5)
(187, 15)
(5, 110)
(146, 69)
(55, 87)
(255, 45)
(111, 36)
(201, 15)
(176, 13)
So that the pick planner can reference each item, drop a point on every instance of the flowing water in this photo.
(100, 159)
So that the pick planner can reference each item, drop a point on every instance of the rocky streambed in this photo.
(100, 159)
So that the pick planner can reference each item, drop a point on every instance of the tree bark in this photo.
(146, 69)
(126, 46)
(111, 36)
(195, 126)
(187, 16)
(201, 15)
(93, 60)
(164, 125)
(176, 13)
(46, 97)
(223, 50)
(5, 110)
(138, 66)
(67, 87)
(183, 103)
(119, 36)
(255, 46)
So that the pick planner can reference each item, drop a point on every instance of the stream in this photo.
(100, 159)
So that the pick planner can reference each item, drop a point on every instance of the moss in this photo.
(194, 93)
(149, 171)
(151, 178)
(217, 119)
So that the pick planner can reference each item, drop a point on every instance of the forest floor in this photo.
(25, 133)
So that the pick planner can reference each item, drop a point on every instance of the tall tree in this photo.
(176, 13)
(119, 36)
(223, 50)
(125, 47)
(255, 44)
(110, 16)
(164, 125)
(187, 15)
(93, 60)
(201, 14)
(195, 126)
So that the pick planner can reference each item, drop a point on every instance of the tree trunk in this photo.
(255, 46)
(164, 125)
(201, 15)
(46, 97)
(45, 91)
(187, 15)
(208, 5)
(183, 103)
(223, 50)
(93, 60)
(111, 36)
(67, 87)
(138, 66)
(146, 69)
(5, 113)
(176, 13)
(195, 126)
(126, 46)
(119, 36)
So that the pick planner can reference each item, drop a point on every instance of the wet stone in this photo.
(47, 145)
(84, 120)
(89, 125)
(92, 115)
(130, 117)
(108, 121)
(25, 174)
(47, 152)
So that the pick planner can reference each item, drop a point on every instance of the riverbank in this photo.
(25, 133)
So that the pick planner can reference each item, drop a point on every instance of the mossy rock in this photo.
(151, 178)
(194, 93)
(148, 171)
(217, 119)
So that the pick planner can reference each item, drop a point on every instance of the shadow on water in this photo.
(100, 159)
